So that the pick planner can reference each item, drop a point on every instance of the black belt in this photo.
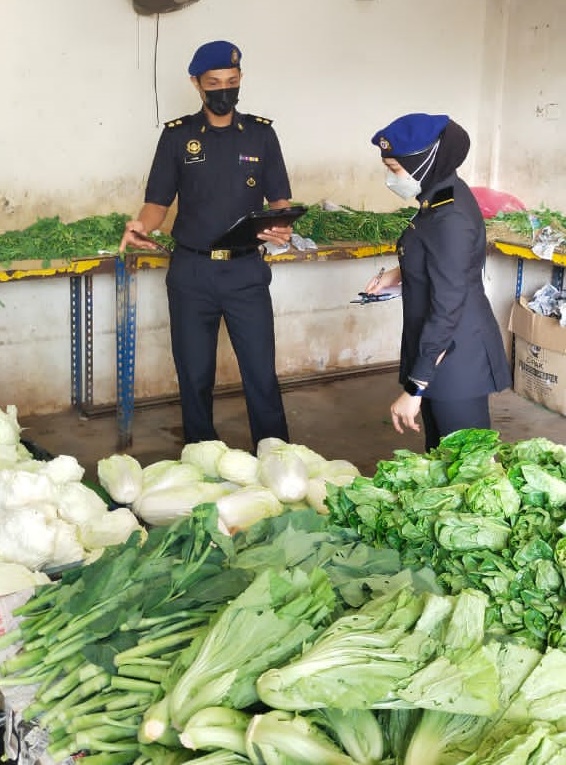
(225, 254)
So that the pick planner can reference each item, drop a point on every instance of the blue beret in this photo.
(410, 134)
(219, 54)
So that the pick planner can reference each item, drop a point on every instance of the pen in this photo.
(377, 278)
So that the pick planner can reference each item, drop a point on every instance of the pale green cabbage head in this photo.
(121, 475)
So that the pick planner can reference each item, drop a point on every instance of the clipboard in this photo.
(243, 233)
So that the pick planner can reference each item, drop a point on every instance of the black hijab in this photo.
(452, 151)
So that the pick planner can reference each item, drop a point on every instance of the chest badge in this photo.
(400, 251)
(251, 182)
(194, 146)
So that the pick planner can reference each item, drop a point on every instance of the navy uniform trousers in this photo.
(200, 292)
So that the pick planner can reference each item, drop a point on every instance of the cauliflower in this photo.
(27, 537)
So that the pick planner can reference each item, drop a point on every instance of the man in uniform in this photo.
(220, 165)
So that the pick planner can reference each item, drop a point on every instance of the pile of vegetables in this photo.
(293, 643)
(48, 517)
(50, 239)
(483, 514)
(401, 627)
(346, 224)
(244, 486)
(175, 613)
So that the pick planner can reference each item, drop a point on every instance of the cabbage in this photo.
(285, 474)
(9, 426)
(205, 455)
(310, 458)
(268, 444)
(27, 538)
(238, 466)
(317, 491)
(113, 528)
(160, 507)
(121, 476)
(78, 504)
(168, 473)
(9, 455)
(541, 480)
(15, 577)
(62, 469)
(20, 488)
(330, 469)
(66, 547)
(242, 508)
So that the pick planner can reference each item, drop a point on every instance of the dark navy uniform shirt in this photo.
(217, 174)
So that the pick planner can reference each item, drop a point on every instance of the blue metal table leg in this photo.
(518, 290)
(76, 343)
(519, 279)
(557, 278)
(88, 361)
(125, 348)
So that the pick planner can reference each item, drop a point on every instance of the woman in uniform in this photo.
(452, 353)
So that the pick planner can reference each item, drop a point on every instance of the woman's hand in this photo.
(377, 284)
(403, 412)
(279, 235)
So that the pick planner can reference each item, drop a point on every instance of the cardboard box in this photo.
(540, 357)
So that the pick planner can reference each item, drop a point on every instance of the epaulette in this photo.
(259, 120)
(443, 196)
(179, 121)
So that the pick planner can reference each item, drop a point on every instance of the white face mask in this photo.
(404, 186)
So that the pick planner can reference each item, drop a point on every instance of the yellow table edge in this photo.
(342, 251)
(23, 269)
(521, 251)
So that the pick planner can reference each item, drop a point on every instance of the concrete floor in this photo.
(343, 419)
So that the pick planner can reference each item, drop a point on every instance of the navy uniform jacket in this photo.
(218, 174)
(441, 255)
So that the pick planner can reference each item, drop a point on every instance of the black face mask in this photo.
(221, 102)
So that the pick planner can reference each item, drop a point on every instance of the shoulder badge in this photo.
(259, 120)
(444, 196)
(179, 121)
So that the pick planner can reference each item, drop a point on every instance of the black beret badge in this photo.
(194, 152)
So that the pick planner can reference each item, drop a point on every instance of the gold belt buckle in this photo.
(220, 254)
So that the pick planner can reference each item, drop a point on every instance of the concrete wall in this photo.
(86, 97)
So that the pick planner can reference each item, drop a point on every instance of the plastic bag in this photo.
(492, 202)
(550, 301)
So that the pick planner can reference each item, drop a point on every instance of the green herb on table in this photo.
(324, 226)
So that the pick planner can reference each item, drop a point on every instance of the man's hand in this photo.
(130, 238)
(279, 235)
(150, 218)
(403, 412)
